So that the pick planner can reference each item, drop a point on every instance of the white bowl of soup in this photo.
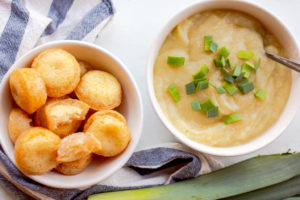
(237, 26)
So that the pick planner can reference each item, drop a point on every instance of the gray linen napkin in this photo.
(25, 24)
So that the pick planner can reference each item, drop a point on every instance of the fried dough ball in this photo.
(100, 90)
(74, 167)
(111, 129)
(60, 71)
(67, 129)
(35, 151)
(28, 89)
(18, 122)
(84, 67)
(62, 116)
(77, 146)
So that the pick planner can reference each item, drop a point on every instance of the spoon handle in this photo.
(289, 63)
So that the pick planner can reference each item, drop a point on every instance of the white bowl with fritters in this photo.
(131, 108)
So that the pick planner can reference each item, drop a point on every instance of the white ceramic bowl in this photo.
(275, 26)
(131, 108)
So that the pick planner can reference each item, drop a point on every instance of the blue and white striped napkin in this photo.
(25, 24)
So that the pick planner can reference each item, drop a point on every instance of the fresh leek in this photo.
(249, 175)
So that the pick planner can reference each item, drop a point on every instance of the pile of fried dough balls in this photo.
(64, 114)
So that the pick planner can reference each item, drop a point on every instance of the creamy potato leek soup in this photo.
(213, 81)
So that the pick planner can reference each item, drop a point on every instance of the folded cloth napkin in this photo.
(25, 24)
(163, 164)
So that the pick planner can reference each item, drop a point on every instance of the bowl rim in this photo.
(184, 13)
(130, 149)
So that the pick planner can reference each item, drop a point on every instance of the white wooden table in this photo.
(130, 35)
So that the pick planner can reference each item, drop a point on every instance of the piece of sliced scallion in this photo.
(213, 46)
(202, 84)
(212, 112)
(220, 62)
(237, 71)
(244, 54)
(190, 88)
(249, 64)
(246, 69)
(196, 105)
(202, 72)
(260, 94)
(207, 105)
(220, 90)
(240, 77)
(223, 52)
(176, 61)
(223, 61)
(207, 40)
(234, 117)
(228, 63)
(230, 88)
(246, 87)
(173, 90)
(228, 78)
(257, 64)
(243, 82)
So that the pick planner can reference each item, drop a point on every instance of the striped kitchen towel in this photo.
(163, 164)
(25, 24)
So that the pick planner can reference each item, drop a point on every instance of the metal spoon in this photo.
(289, 63)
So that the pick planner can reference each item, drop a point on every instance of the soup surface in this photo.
(236, 31)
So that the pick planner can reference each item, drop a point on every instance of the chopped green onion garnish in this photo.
(217, 62)
(196, 105)
(244, 54)
(237, 71)
(230, 88)
(207, 105)
(200, 79)
(220, 62)
(260, 94)
(249, 64)
(229, 78)
(207, 40)
(225, 70)
(246, 87)
(190, 88)
(257, 64)
(212, 112)
(176, 61)
(202, 72)
(220, 90)
(242, 83)
(232, 118)
(173, 90)
(247, 69)
(202, 83)
(213, 46)
(240, 77)
(223, 52)
(228, 63)
(223, 61)
(209, 108)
